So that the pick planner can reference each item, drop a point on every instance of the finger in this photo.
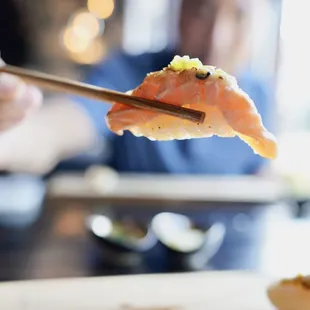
(12, 88)
(27, 104)
(13, 111)
(4, 125)
(10, 113)
(32, 98)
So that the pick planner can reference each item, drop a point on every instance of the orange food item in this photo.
(188, 83)
(291, 294)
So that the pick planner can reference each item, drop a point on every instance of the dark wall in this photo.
(14, 34)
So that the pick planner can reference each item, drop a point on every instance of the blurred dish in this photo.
(21, 199)
(101, 178)
(188, 246)
(120, 241)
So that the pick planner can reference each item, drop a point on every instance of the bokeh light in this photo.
(89, 22)
(93, 53)
(76, 39)
(81, 38)
(101, 8)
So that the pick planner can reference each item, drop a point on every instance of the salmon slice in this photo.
(188, 83)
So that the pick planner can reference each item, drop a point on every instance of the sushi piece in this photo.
(188, 83)
(291, 294)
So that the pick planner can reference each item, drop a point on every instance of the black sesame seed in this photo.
(202, 75)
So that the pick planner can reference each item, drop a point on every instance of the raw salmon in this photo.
(188, 83)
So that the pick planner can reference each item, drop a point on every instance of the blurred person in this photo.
(217, 32)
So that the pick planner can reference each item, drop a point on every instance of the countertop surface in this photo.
(192, 291)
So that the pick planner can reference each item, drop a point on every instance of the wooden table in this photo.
(193, 291)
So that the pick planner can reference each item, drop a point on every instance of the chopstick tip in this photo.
(202, 117)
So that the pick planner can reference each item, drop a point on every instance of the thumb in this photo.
(2, 63)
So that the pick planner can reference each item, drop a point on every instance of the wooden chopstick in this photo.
(82, 89)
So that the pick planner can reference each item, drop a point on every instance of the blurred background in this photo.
(84, 218)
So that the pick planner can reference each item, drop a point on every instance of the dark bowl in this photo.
(116, 242)
(188, 246)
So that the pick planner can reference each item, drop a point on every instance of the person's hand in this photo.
(35, 142)
(59, 130)
(17, 100)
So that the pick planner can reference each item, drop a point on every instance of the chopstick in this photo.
(82, 89)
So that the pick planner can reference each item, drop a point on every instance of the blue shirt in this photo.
(214, 155)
